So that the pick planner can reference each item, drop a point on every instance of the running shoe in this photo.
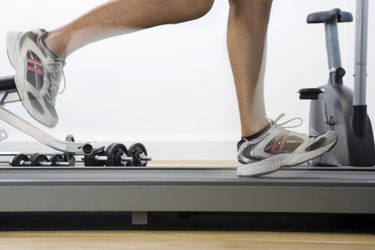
(38, 74)
(278, 148)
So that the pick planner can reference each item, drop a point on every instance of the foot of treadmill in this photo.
(139, 218)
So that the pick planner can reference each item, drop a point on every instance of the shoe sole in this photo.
(15, 53)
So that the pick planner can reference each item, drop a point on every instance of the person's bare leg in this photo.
(118, 17)
(247, 29)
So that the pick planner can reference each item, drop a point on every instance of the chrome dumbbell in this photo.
(116, 154)
(39, 160)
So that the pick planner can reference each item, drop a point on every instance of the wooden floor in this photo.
(183, 240)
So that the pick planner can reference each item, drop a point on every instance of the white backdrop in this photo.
(172, 84)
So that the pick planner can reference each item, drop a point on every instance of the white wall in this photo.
(172, 84)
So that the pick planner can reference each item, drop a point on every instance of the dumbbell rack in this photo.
(116, 154)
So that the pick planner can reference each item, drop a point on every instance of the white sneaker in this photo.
(277, 148)
(38, 74)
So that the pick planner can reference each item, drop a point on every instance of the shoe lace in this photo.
(64, 83)
(55, 70)
(55, 73)
(278, 118)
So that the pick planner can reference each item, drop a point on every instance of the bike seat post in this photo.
(333, 51)
(330, 19)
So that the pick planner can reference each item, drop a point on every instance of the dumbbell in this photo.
(22, 160)
(139, 154)
(116, 154)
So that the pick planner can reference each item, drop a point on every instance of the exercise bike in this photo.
(335, 106)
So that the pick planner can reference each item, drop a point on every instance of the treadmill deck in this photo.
(36, 176)
(142, 190)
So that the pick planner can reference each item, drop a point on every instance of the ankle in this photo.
(256, 133)
(55, 44)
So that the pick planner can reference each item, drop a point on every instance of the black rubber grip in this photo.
(7, 83)
(326, 16)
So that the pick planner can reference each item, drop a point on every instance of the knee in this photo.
(194, 9)
(254, 6)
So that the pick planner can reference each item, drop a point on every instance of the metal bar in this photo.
(361, 32)
(38, 134)
(333, 45)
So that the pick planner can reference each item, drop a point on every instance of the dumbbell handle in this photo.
(62, 164)
(105, 158)
(145, 158)
(41, 163)
(123, 158)
(45, 164)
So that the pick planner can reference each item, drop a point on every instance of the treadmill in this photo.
(305, 189)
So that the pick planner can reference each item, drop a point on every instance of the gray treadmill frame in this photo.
(140, 191)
